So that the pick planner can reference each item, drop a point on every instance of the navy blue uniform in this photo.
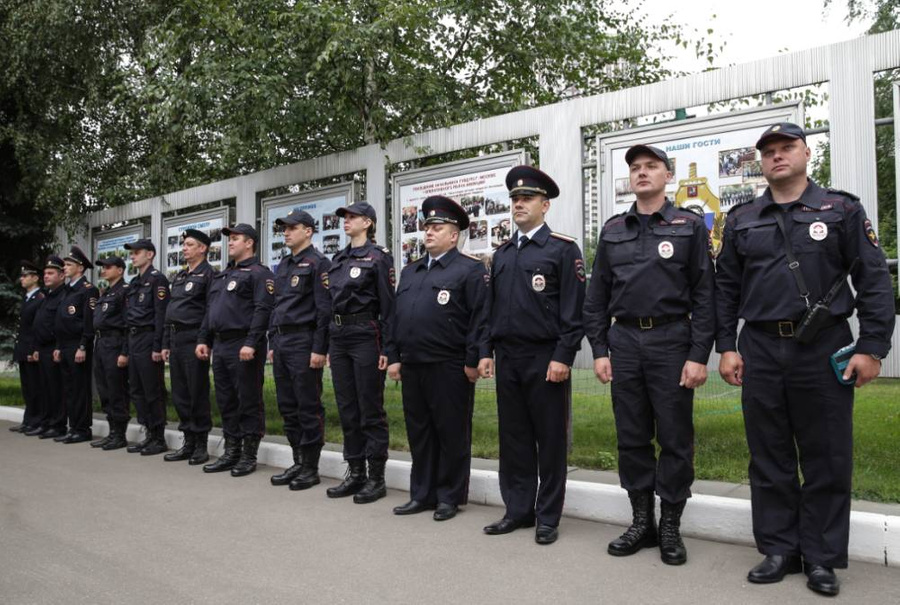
(74, 329)
(535, 301)
(654, 275)
(111, 342)
(29, 371)
(53, 412)
(299, 328)
(361, 284)
(148, 296)
(240, 301)
(439, 325)
(791, 398)
(189, 375)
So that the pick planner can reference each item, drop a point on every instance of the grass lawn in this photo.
(720, 449)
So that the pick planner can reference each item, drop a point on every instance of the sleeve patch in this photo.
(579, 269)
(92, 303)
(270, 286)
(392, 277)
(162, 292)
(325, 282)
(870, 233)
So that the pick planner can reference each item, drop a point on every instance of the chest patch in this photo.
(538, 282)
(818, 231)
(443, 297)
(666, 249)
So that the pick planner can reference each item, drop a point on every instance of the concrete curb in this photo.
(874, 538)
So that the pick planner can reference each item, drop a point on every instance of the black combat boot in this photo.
(374, 488)
(309, 474)
(157, 444)
(290, 473)
(228, 459)
(247, 463)
(354, 480)
(138, 447)
(642, 533)
(185, 451)
(201, 453)
(116, 437)
(671, 548)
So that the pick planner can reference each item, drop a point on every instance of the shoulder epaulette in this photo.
(88, 284)
(690, 212)
(739, 204)
(615, 216)
(469, 256)
(855, 198)
(383, 249)
(563, 237)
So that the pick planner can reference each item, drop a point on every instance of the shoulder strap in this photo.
(793, 263)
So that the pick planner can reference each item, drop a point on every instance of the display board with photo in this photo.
(329, 236)
(210, 225)
(113, 244)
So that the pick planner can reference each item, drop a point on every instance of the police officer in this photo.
(654, 275)
(189, 375)
(74, 329)
(362, 297)
(53, 413)
(147, 299)
(795, 408)
(111, 353)
(535, 330)
(298, 335)
(441, 308)
(23, 352)
(237, 316)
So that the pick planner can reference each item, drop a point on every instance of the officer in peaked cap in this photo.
(147, 299)
(23, 352)
(111, 353)
(443, 293)
(237, 317)
(654, 275)
(781, 254)
(53, 414)
(536, 292)
(189, 375)
(74, 328)
(298, 342)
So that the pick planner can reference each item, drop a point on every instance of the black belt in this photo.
(648, 323)
(786, 328)
(294, 328)
(108, 333)
(231, 334)
(356, 318)
(141, 329)
(177, 327)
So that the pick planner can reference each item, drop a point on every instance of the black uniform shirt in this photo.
(535, 297)
(25, 339)
(148, 297)
(240, 298)
(301, 295)
(440, 313)
(362, 281)
(45, 319)
(188, 298)
(828, 229)
(653, 271)
(110, 311)
(75, 314)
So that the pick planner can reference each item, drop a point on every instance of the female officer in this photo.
(361, 283)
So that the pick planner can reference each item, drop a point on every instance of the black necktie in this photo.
(523, 239)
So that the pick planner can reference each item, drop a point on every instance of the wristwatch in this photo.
(82, 348)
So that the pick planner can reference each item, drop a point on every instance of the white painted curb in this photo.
(874, 538)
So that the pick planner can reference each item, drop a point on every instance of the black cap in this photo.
(528, 180)
(54, 262)
(242, 229)
(142, 244)
(77, 256)
(297, 217)
(110, 261)
(782, 130)
(29, 268)
(360, 208)
(440, 209)
(636, 150)
(197, 235)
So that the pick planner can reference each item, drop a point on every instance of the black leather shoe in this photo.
(773, 569)
(505, 526)
(545, 534)
(52, 433)
(19, 428)
(103, 441)
(78, 437)
(62, 437)
(445, 511)
(38, 430)
(822, 580)
(411, 508)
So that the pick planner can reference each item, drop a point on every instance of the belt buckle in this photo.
(645, 326)
(337, 320)
(786, 329)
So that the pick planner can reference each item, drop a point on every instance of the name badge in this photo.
(71, 309)
(105, 306)
(354, 272)
(443, 297)
(538, 283)
(666, 249)
(189, 286)
(295, 280)
(232, 285)
(818, 231)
